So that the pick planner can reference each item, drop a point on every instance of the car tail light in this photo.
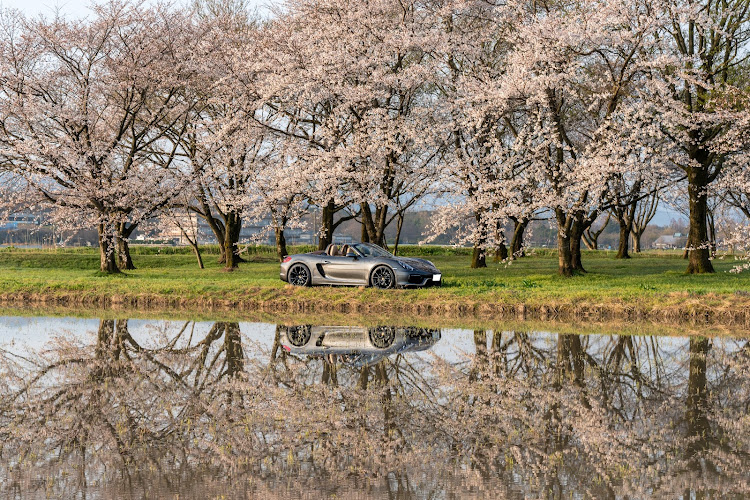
(287, 259)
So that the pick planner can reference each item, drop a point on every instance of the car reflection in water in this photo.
(356, 346)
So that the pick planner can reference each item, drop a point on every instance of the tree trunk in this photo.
(577, 358)
(233, 225)
(235, 357)
(374, 227)
(646, 213)
(711, 233)
(591, 238)
(576, 235)
(197, 253)
(367, 230)
(481, 358)
(326, 225)
(124, 261)
(622, 247)
(105, 338)
(478, 257)
(565, 258)
(219, 230)
(222, 251)
(516, 243)
(194, 246)
(219, 233)
(637, 241)
(575, 253)
(591, 243)
(501, 252)
(107, 250)
(123, 254)
(699, 429)
(381, 220)
(399, 225)
(626, 219)
(280, 244)
(699, 251)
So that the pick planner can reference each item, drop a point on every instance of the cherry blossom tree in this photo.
(644, 213)
(698, 98)
(575, 68)
(222, 142)
(634, 202)
(279, 193)
(538, 95)
(483, 179)
(85, 106)
(591, 235)
(351, 78)
(297, 108)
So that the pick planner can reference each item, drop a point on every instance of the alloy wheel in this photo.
(382, 277)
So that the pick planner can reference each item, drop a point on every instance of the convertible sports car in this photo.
(357, 346)
(358, 264)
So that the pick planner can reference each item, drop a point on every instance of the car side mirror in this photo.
(351, 254)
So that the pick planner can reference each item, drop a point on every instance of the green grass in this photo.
(648, 280)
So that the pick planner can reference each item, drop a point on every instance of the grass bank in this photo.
(651, 287)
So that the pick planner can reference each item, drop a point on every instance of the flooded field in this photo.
(180, 409)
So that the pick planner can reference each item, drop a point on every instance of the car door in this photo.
(345, 270)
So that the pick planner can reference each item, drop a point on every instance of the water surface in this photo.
(163, 409)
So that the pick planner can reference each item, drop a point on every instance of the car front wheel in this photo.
(383, 277)
(382, 337)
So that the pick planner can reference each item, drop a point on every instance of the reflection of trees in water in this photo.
(611, 406)
(113, 406)
(602, 416)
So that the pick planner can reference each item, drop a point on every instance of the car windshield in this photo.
(367, 250)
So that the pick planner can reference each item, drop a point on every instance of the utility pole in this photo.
(314, 238)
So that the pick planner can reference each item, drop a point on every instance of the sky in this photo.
(76, 8)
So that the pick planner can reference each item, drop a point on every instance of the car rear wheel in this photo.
(383, 277)
(299, 275)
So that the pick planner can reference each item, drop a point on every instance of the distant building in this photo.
(342, 240)
(670, 242)
(257, 232)
(170, 229)
(20, 221)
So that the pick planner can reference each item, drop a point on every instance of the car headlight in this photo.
(406, 266)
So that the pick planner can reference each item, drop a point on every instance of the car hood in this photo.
(421, 264)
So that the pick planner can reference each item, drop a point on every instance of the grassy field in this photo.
(648, 282)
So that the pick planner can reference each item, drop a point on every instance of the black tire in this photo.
(299, 275)
(382, 337)
(299, 335)
(383, 277)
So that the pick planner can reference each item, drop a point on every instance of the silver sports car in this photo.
(358, 264)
